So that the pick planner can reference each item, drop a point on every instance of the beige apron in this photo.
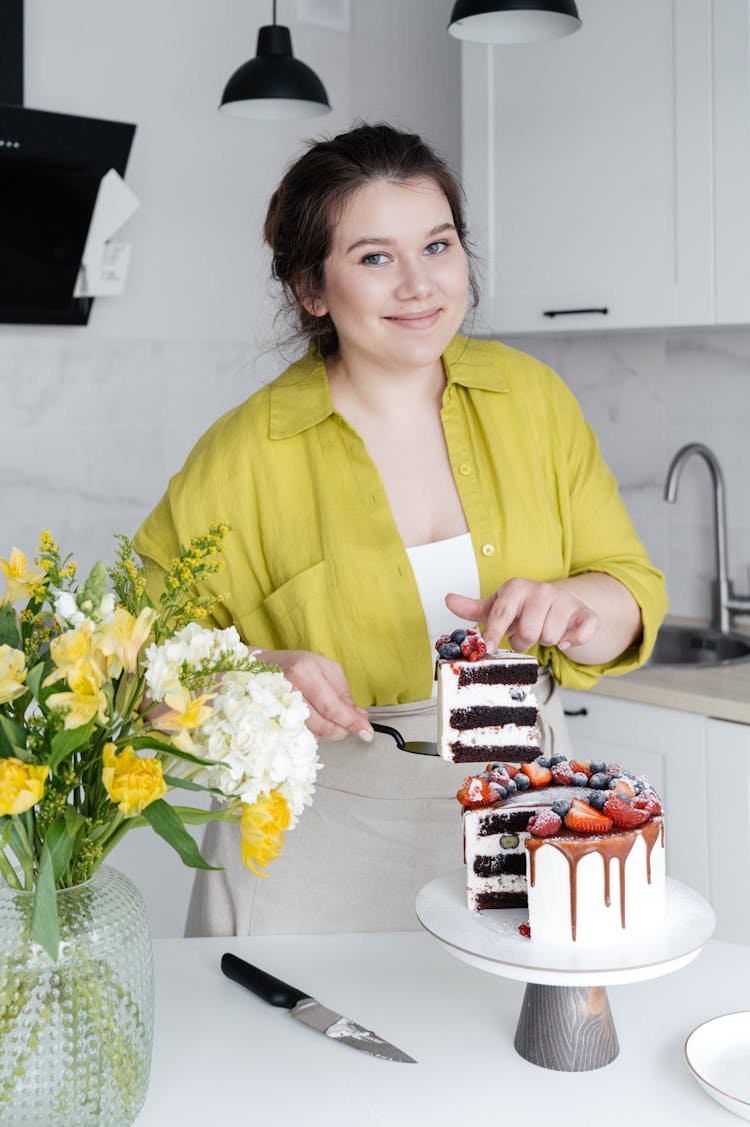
(382, 823)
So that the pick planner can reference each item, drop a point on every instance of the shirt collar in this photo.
(300, 397)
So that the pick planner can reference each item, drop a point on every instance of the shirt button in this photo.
(488, 549)
(464, 469)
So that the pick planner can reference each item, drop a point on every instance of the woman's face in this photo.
(396, 279)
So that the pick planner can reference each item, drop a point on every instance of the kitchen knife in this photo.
(307, 1010)
(416, 747)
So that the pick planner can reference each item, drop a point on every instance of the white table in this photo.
(221, 1055)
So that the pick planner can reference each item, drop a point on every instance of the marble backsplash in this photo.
(91, 429)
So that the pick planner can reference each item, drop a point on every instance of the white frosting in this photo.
(509, 735)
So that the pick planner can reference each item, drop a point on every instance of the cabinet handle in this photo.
(567, 312)
(576, 711)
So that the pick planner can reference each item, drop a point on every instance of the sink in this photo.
(696, 645)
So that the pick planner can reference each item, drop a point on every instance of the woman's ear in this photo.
(312, 304)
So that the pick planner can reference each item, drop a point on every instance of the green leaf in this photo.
(145, 743)
(194, 816)
(188, 784)
(35, 677)
(14, 737)
(9, 632)
(45, 927)
(60, 839)
(167, 823)
(65, 742)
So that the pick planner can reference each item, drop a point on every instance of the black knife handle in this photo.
(267, 987)
(386, 731)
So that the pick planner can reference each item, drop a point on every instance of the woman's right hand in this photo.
(333, 713)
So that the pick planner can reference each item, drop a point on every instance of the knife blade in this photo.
(310, 1012)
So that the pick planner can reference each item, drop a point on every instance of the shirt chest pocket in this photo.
(299, 615)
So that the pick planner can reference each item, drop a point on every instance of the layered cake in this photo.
(486, 703)
(580, 843)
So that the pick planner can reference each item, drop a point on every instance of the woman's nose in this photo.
(414, 281)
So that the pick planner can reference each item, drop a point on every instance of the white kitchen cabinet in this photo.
(610, 171)
(670, 748)
(728, 792)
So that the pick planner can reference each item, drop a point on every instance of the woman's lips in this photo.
(415, 321)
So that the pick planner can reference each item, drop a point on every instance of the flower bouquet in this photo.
(109, 701)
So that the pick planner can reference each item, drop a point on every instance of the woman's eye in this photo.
(375, 259)
(436, 248)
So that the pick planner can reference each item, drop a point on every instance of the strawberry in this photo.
(562, 774)
(473, 647)
(649, 801)
(525, 930)
(624, 815)
(582, 765)
(476, 791)
(443, 640)
(585, 819)
(622, 786)
(512, 769)
(537, 776)
(545, 823)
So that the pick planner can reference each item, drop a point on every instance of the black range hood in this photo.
(51, 165)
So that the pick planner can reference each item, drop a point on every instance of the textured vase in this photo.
(76, 1034)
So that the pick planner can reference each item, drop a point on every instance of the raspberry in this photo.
(473, 647)
(443, 640)
(545, 823)
(562, 774)
(525, 930)
(624, 815)
(649, 801)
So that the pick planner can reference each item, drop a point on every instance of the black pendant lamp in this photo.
(274, 85)
(513, 21)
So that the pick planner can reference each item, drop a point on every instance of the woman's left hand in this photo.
(529, 612)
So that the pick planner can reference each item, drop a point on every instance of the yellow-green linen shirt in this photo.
(315, 561)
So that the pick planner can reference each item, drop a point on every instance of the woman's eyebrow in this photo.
(382, 240)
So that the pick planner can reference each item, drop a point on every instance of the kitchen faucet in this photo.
(724, 601)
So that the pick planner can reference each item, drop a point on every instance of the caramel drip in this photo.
(616, 846)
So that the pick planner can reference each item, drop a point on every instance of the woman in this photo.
(395, 464)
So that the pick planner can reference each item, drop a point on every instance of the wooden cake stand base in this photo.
(565, 1022)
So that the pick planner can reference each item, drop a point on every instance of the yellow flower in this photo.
(132, 783)
(185, 712)
(85, 699)
(20, 581)
(12, 674)
(123, 638)
(262, 826)
(21, 785)
(68, 650)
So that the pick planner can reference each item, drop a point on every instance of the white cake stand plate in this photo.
(565, 1022)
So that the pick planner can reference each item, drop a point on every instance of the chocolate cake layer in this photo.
(514, 863)
(493, 673)
(467, 753)
(492, 716)
(507, 822)
(502, 900)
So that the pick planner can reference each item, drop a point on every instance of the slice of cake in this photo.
(486, 703)
(587, 858)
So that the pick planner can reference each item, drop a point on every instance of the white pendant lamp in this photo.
(274, 85)
(513, 21)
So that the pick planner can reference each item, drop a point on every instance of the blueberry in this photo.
(597, 799)
(599, 781)
(510, 786)
(509, 841)
(450, 651)
(542, 762)
(639, 786)
(580, 779)
(499, 790)
(517, 694)
(458, 636)
(598, 767)
(558, 759)
(561, 808)
(522, 781)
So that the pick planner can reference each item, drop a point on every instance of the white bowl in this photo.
(718, 1055)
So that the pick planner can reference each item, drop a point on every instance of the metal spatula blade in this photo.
(416, 747)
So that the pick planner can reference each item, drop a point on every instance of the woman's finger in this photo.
(468, 609)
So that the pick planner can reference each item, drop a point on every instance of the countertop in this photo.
(722, 692)
(223, 1055)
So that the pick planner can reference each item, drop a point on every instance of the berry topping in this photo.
(458, 636)
(614, 769)
(537, 776)
(525, 930)
(498, 774)
(599, 780)
(580, 779)
(512, 769)
(543, 761)
(473, 647)
(581, 765)
(561, 807)
(562, 773)
(517, 694)
(450, 652)
(597, 799)
(624, 815)
(522, 781)
(598, 766)
(558, 759)
(476, 791)
(545, 823)
(622, 786)
(443, 640)
(498, 790)
(648, 800)
(585, 819)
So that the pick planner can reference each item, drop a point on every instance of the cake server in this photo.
(416, 747)
(308, 1011)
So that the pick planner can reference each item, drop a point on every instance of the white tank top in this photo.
(446, 565)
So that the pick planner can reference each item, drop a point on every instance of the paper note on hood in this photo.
(115, 203)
